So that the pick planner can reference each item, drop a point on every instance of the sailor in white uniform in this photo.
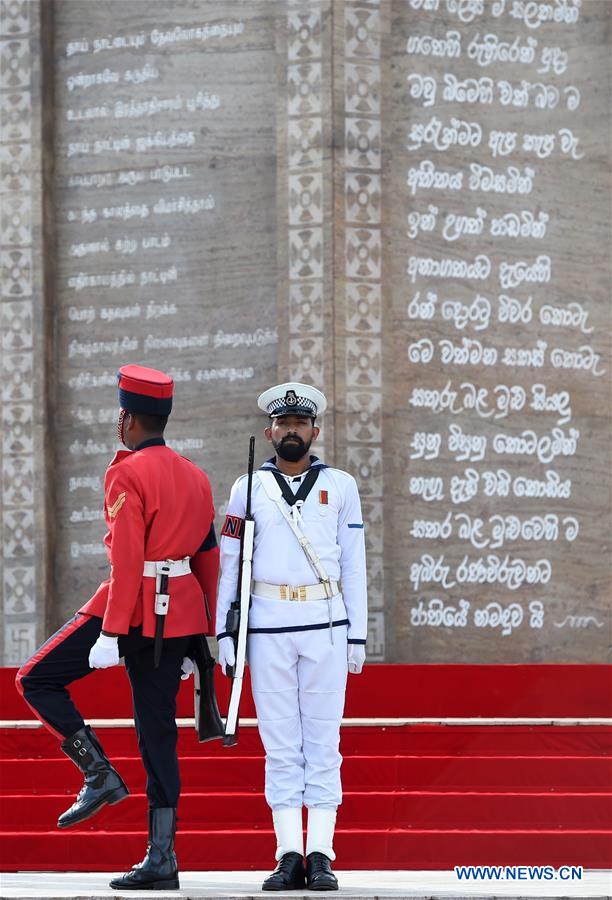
(307, 626)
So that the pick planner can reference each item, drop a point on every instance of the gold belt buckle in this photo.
(288, 592)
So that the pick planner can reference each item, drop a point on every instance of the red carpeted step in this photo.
(423, 691)
(118, 742)
(413, 740)
(424, 796)
(362, 809)
(201, 773)
(359, 773)
(355, 848)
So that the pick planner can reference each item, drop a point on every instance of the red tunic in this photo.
(157, 505)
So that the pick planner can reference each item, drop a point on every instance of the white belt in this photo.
(177, 567)
(290, 592)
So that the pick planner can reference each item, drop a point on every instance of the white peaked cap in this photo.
(292, 398)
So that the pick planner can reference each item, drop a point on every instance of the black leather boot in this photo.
(319, 875)
(102, 783)
(159, 869)
(288, 874)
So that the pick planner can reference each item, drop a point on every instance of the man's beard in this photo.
(291, 448)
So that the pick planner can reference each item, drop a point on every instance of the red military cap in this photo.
(146, 391)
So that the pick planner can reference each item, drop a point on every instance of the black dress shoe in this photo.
(102, 783)
(288, 875)
(159, 869)
(319, 875)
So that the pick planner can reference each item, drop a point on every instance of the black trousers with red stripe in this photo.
(62, 659)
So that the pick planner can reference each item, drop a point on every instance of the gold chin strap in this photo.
(120, 422)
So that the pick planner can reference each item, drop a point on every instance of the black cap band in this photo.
(292, 405)
(139, 403)
(306, 411)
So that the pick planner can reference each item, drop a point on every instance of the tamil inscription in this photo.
(166, 243)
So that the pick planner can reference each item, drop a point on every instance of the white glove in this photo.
(104, 653)
(356, 658)
(186, 668)
(227, 654)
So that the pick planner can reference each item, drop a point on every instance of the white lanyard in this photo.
(272, 489)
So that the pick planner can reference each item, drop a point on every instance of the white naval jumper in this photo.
(298, 672)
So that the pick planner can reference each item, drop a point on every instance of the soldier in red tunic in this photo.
(163, 581)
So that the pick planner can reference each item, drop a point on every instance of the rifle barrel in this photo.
(250, 475)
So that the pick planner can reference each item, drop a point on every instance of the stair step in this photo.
(516, 773)
(360, 809)
(535, 690)
(357, 848)
(417, 796)
(416, 740)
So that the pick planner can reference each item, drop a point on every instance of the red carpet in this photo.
(418, 796)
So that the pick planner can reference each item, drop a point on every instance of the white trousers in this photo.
(299, 682)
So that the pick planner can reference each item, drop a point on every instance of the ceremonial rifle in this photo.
(208, 722)
(238, 614)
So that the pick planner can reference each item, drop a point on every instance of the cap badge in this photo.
(290, 398)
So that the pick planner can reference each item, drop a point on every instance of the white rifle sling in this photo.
(274, 493)
(248, 540)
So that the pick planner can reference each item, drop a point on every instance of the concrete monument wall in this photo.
(499, 273)
(405, 203)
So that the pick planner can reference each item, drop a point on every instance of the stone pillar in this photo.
(359, 28)
(305, 204)
(24, 339)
